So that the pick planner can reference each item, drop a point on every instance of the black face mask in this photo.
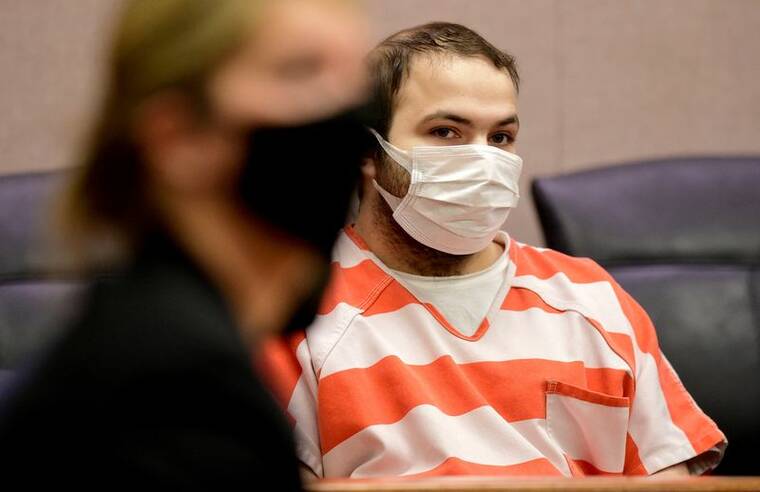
(300, 179)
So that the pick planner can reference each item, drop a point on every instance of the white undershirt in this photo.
(464, 300)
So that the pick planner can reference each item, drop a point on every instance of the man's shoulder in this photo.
(355, 274)
(545, 263)
(571, 284)
(357, 281)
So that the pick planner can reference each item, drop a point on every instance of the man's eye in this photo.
(502, 139)
(443, 132)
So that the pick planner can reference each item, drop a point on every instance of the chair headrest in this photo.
(703, 209)
(26, 206)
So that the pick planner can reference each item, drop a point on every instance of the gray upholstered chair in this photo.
(37, 293)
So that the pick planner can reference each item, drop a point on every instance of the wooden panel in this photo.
(595, 484)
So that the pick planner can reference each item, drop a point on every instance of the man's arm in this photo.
(665, 424)
(307, 475)
(285, 366)
(679, 470)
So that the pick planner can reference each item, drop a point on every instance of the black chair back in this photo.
(683, 237)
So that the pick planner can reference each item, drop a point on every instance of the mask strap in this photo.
(392, 200)
(398, 155)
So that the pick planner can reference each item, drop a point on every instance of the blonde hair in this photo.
(158, 45)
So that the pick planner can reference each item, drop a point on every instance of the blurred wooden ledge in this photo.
(486, 484)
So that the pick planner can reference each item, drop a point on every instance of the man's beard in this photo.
(421, 259)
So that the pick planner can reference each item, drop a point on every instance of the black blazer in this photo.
(152, 385)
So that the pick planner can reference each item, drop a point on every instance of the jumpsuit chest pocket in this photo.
(589, 426)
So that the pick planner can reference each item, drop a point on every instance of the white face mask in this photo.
(459, 195)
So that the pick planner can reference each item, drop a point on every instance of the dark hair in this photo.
(390, 61)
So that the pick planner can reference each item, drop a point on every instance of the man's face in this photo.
(450, 100)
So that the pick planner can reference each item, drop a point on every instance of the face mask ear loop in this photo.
(398, 155)
(392, 200)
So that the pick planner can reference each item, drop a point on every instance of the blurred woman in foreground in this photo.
(218, 175)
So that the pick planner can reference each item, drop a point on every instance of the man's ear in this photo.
(369, 171)
(364, 187)
(368, 168)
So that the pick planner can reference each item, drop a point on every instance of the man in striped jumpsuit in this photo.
(445, 347)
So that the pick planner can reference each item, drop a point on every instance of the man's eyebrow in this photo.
(508, 121)
(445, 115)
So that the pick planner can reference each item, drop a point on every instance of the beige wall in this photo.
(50, 58)
(604, 81)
